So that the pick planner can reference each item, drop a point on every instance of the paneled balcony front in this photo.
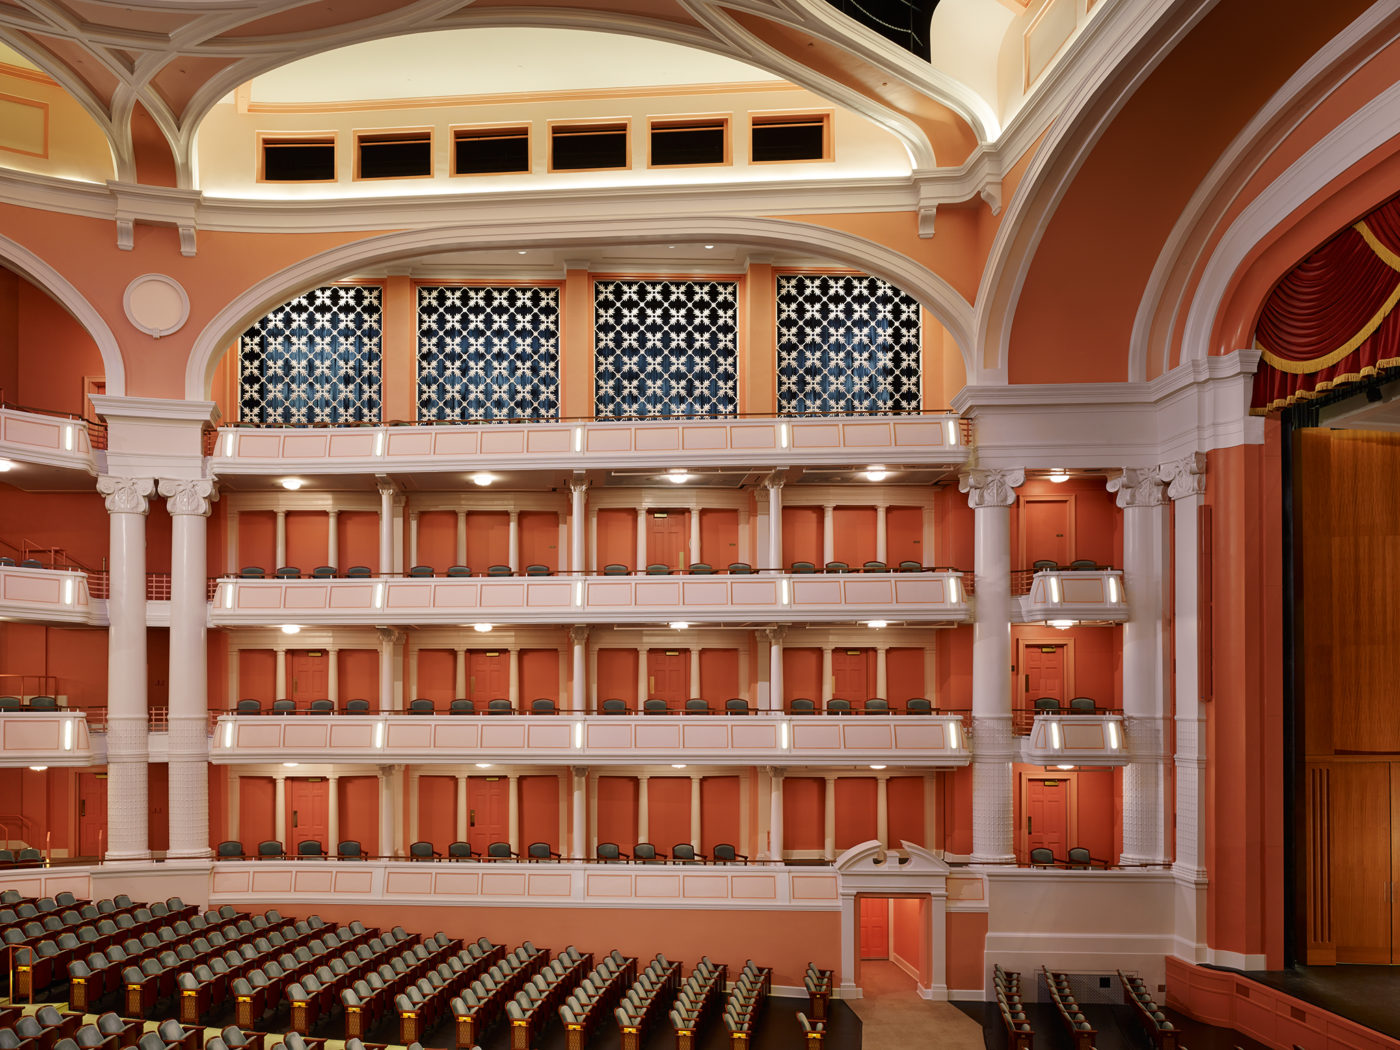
(757, 442)
(923, 597)
(1064, 597)
(1076, 739)
(32, 441)
(38, 738)
(765, 738)
(39, 595)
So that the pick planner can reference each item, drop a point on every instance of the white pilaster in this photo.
(828, 533)
(829, 820)
(775, 634)
(579, 837)
(695, 780)
(386, 525)
(280, 539)
(881, 539)
(460, 831)
(413, 537)
(514, 811)
(695, 535)
(459, 673)
(774, 558)
(332, 814)
(333, 676)
(513, 555)
(333, 539)
(513, 677)
(882, 670)
(461, 537)
(643, 679)
(643, 809)
(578, 639)
(695, 683)
(882, 809)
(828, 688)
(279, 673)
(641, 540)
(578, 491)
(775, 813)
(279, 806)
(386, 811)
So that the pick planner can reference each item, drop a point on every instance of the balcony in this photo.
(552, 740)
(46, 440)
(755, 442)
(1067, 597)
(1076, 740)
(38, 595)
(44, 738)
(923, 597)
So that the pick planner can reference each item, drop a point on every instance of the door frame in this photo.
(1066, 498)
(1023, 792)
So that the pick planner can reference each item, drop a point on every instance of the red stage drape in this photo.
(1332, 318)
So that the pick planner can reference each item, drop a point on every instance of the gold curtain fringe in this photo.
(1323, 387)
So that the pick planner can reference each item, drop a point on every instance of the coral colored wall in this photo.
(855, 810)
(904, 535)
(437, 676)
(9, 335)
(853, 534)
(955, 819)
(308, 538)
(359, 676)
(539, 539)
(802, 675)
(216, 658)
(359, 811)
(785, 939)
(966, 947)
(539, 674)
(77, 657)
(55, 354)
(668, 811)
(488, 539)
(617, 811)
(719, 812)
(1095, 521)
(219, 783)
(908, 920)
(719, 676)
(437, 811)
(256, 820)
(257, 539)
(719, 537)
(804, 803)
(906, 810)
(75, 522)
(617, 675)
(358, 539)
(617, 537)
(802, 535)
(437, 538)
(539, 811)
(904, 674)
(48, 801)
(952, 529)
(257, 675)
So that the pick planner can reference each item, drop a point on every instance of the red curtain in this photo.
(1332, 318)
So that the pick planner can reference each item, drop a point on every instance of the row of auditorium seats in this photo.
(484, 999)
(1077, 859)
(351, 849)
(371, 998)
(25, 857)
(29, 703)
(1078, 705)
(699, 996)
(696, 568)
(23, 563)
(875, 705)
(748, 997)
(1079, 1030)
(1153, 1019)
(589, 1004)
(1078, 565)
(532, 1008)
(648, 1001)
(1019, 1033)
(819, 984)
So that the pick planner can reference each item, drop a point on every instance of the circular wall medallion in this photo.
(156, 304)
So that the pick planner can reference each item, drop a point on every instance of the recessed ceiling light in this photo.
(677, 765)
(709, 247)
(1062, 625)
(38, 769)
(1064, 767)
(291, 628)
(876, 472)
(877, 623)
(877, 767)
(483, 478)
(521, 252)
(1059, 475)
(679, 625)
(291, 765)
(292, 484)
(677, 475)
(483, 628)
(483, 765)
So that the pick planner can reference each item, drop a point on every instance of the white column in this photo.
(459, 832)
(881, 539)
(459, 674)
(828, 688)
(461, 537)
(388, 639)
(127, 831)
(882, 809)
(413, 776)
(513, 554)
(695, 535)
(775, 634)
(281, 538)
(1145, 537)
(578, 641)
(279, 674)
(579, 834)
(1186, 483)
(593, 565)
(333, 539)
(188, 503)
(695, 780)
(695, 689)
(514, 811)
(991, 493)
(235, 790)
(413, 537)
(775, 813)
(411, 672)
(386, 525)
(386, 811)
(882, 671)
(643, 680)
(332, 814)
(641, 539)
(828, 533)
(333, 676)
(513, 679)
(829, 820)
(643, 809)
(774, 484)
(578, 490)
(279, 807)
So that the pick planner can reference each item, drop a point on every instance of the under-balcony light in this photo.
(291, 628)
(677, 765)
(1062, 625)
(876, 472)
(6, 464)
(578, 736)
(677, 475)
(578, 439)
(227, 588)
(879, 766)
(291, 765)
(956, 735)
(1064, 767)
(482, 628)
(483, 765)
(785, 736)
(709, 247)
(483, 478)
(678, 625)
(379, 440)
(1056, 741)
(68, 734)
(954, 589)
(379, 736)
(784, 434)
(68, 438)
(228, 446)
(877, 623)
(38, 769)
(228, 735)
(787, 592)
(578, 592)
(1055, 593)
(379, 595)
(68, 591)
(1114, 596)
(522, 251)
(1059, 475)
(291, 484)
(1113, 742)
(950, 431)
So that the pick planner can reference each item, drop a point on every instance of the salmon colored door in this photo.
(307, 805)
(488, 675)
(617, 537)
(668, 538)
(874, 928)
(719, 537)
(488, 539)
(853, 535)
(1047, 816)
(437, 811)
(904, 535)
(306, 673)
(488, 811)
(92, 813)
(1046, 534)
(668, 811)
(802, 535)
(719, 675)
(1042, 673)
(668, 676)
(539, 539)
(849, 674)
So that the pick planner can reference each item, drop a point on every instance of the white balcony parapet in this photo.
(517, 884)
(923, 740)
(925, 597)
(48, 596)
(935, 438)
(54, 441)
(44, 738)
(1065, 597)
(1075, 740)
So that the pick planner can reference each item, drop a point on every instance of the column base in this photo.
(988, 859)
(191, 854)
(1128, 860)
(133, 857)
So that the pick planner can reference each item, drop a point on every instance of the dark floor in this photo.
(1368, 995)
(1116, 1025)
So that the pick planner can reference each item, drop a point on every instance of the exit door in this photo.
(1042, 673)
(488, 674)
(307, 803)
(668, 538)
(488, 811)
(850, 669)
(1046, 533)
(92, 813)
(874, 927)
(1047, 815)
(668, 676)
(307, 670)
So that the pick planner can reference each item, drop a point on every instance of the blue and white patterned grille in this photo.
(846, 344)
(665, 348)
(315, 359)
(488, 353)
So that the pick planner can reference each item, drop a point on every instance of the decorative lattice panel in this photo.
(665, 348)
(488, 353)
(315, 359)
(846, 344)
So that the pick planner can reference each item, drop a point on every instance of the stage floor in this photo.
(1368, 995)
(1117, 1026)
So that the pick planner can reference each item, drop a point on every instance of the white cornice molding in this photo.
(157, 410)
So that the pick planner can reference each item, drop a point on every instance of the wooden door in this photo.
(668, 676)
(437, 811)
(1362, 870)
(719, 537)
(668, 538)
(1042, 673)
(488, 539)
(307, 811)
(306, 671)
(92, 813)
(802, 535)
(1047, 815)
(488, 811)
(488, 675)
(874, 927)
(539, 539)
(850, 670)
(853, 537)
(904, 535)
(1046, 530)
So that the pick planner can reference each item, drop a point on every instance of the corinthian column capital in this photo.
(1137, 487)
(126, 495)
(189, 497)
(1184, 477)
(991, 488)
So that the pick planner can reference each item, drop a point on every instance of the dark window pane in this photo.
(395, 160)
(299, 162)
(487, 155)
(789, 141)
(687, 145)
(601, 149)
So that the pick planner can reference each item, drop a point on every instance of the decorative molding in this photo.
(158, 205)
(189, 497)
(1185, 476)
(991, 488)
(156, 304)
(126, 495)
(1137, 487)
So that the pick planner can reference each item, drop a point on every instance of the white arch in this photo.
(952, 310)
(19, 258)
(1369, 128)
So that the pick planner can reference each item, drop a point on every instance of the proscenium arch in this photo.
(17, 257)
(933, 292)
